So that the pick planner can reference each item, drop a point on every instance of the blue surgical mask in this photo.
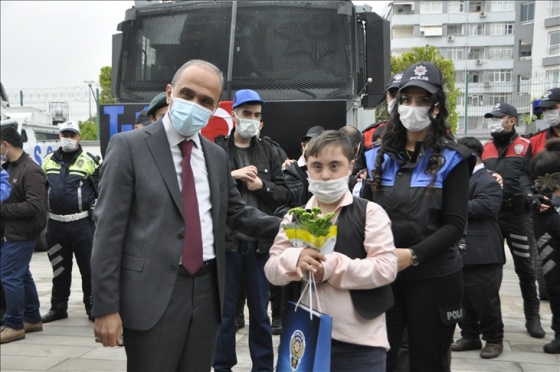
(188, 117)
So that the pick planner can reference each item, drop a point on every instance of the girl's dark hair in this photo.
(548, 160)
(472, 144)
(395, 138)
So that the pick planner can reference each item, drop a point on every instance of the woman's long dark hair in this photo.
(395, 138)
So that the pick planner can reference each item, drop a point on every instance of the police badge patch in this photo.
(80, 163)
(518, 148)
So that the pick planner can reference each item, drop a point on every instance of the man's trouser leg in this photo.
(521, 244)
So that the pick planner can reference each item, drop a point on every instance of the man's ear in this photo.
(261, 125)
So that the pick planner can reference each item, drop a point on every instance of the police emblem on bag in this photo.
(297, 348)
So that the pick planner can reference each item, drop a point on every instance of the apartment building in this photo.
(503, 51)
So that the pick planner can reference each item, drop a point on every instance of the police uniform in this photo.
(71, 195)
(505, 154)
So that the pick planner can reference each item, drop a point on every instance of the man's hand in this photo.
(310, 260)
(499, 179)
(255, 184)
(288, 162)
(109, 329)
(246, 174)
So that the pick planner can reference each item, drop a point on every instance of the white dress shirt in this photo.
(198, 164)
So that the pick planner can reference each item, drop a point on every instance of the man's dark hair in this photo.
(10, 135)
(472, 144)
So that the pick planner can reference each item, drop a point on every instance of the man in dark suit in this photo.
(483, 263)
(145, 288)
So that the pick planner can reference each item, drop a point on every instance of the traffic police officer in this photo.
(71, 195)
(504, 154)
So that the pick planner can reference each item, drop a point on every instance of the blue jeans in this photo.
(357, 358)
(22, 301)
(248, 263)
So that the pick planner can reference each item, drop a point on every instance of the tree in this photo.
(88, 129)
(430, 53)
(105, 83)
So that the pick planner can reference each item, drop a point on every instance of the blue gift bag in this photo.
(305, 343)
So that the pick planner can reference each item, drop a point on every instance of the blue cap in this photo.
(246, 95)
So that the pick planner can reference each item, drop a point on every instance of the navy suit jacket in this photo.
(485, 244)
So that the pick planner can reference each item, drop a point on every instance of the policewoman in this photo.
(421, 179)
(71, 194)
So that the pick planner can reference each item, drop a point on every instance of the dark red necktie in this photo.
(192, 243)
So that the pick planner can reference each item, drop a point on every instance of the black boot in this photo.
(533, 323)
(553, 347)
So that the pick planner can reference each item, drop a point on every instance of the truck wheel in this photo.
(41, 245)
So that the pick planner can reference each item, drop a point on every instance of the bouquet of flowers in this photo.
(311, 230)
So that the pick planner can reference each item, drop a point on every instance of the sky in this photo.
(56, 44)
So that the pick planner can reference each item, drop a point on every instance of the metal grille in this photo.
(289, 50)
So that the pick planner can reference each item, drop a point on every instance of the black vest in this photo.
(369, 303)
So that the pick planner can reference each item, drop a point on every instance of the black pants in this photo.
(517, 229)
(429, 309)
(482, 313)
(64, 240)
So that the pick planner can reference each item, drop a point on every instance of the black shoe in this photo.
(53, 315)
(464, 344)
(553, 347)
(534, 328)
(276, 326)
(492, 350)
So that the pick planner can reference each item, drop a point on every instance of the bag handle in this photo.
(310, 287)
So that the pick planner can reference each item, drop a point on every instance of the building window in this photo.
(499, 98)
(476, 100)
(404, 9)
(455, 6)
(502, 28)
(475, 6)
(476, 53)
(474, 76)
(431, 7)
(500, 52)
(527, 13)
(502, 6)
(554, 8)
(455, 30)
(460, 78)
(455, 54)
(476, 29)
(432, 30)
(524, 84)
(554, 43)
(499, 76)
(525, 50)
(552, 79)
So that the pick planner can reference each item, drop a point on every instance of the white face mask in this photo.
(391, 105)
(68, 144)
(495, 125)
(330, 191)
(247, 128)
(552, 117)
(415, 119)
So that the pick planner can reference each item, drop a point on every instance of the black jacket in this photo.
(484, 239)
(24, 213)
(274, 192)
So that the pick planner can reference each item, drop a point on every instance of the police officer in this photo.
(550, 104)
(504, 154)
(71, 195)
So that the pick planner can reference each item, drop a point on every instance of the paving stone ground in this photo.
(68, 344)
